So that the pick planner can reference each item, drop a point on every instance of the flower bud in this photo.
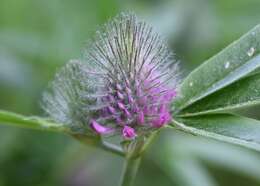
(124, 84)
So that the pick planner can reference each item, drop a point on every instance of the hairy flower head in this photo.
(124, 84)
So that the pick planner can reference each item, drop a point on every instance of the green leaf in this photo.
(234, 62)
(13, 119)
(224, 127)
(242, 93)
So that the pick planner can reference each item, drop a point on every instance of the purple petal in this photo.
(100, 129)
(153, 109)
(127, 113)
(136, 109)
(140, 118)
(161, 120)
(170, 94)
(111, 110)
(146, 110)
(163, 108)
(110, 98)
(118, 87)
(138, 91)
(128, 132)
(130, 99)
(119, 121)
(121, 105)
(127, 83)
(142, 100)
(128, 90)
(120, 95)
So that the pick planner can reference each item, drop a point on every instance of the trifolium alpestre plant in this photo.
(126, 87)
(123, 85)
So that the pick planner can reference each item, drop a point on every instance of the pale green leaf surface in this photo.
(229, 157)
(179, 150)
(181, 167)
(191, 172)
(223, 155)
(224, 127)
(245, 92)
(234, 62)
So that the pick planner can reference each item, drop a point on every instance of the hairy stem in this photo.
(12, 119)
(133, 156)
(9, 118)
(130, 170)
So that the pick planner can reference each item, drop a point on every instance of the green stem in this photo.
(17, 120)
(134, 153)
(130, 170)
(9, 118)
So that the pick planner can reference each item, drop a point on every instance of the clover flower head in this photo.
(124, 84)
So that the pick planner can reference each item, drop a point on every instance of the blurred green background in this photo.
(39, 36)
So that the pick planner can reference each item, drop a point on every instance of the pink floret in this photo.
(128, 132)
(162, 119)
(100, 129)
